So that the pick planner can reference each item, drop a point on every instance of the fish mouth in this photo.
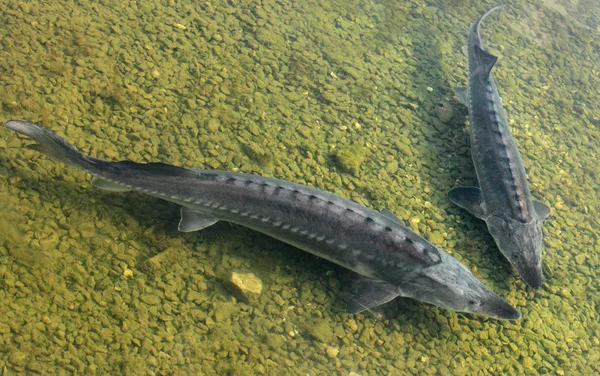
(532, 275)
(499, 308)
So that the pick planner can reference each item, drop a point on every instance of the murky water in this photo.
(353, 97)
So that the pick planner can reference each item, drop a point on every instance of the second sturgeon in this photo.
(503, 199)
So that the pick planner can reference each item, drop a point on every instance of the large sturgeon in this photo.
(394, 260)
(503, 199)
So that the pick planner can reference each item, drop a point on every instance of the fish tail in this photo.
(50, 143)
(491, 10)
(57, 148)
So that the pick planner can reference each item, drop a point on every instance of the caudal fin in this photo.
(57, 148)
(483, 16)
(49, 143)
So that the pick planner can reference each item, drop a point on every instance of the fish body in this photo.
(392, 259)
(503, 199)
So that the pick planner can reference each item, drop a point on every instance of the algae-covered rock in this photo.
(257, 153)
(350, 158)
(275, 341)
(18, 358)
(150, 299)
(320, 330)
(444, 111)
(224, 311)
(162, 261)
(332, 352)
(392, 167)
(213, 125)
(404, 148)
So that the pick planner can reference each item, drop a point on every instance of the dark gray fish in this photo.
(394, 260)
(503, 199)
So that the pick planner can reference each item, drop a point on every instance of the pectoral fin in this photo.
(470, 199)
(463, 94)
(194, 221)
(542, 210)
(109, 185)
(369, 293)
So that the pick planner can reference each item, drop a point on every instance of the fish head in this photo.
(451, 285)
(521, 244)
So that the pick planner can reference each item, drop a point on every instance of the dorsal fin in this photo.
(486, 59)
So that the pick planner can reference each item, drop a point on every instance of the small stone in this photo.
(392, 167)
(275, 341)
(444, 111)
(405, 149)
(436, 238)
(351, 158)
(18, 358)
(414, 223)
(50, 242)
(320, 330)
(210, 323)
(332, 352)
(213, 125)
(195, 296)
(224, 311)
(247, 282)
(245, 286)
(352, 325)
(150, 299)
(4, 329)
(110, 154)
(279, 300)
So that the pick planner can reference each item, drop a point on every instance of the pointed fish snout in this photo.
(500, 308)
(532, 276)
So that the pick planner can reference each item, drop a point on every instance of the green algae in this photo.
(350, 158)
(276, 89)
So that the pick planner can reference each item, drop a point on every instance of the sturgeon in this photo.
(393, 260)
(503, 199)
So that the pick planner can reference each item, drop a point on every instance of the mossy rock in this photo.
(257, 153)
(350, 158)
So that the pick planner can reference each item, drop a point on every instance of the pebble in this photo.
(444, 111)
(332, 352)
(150, 299)
(17, 358)
(279, 300)
(224, 311)
(352, 325)
(247, 282)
